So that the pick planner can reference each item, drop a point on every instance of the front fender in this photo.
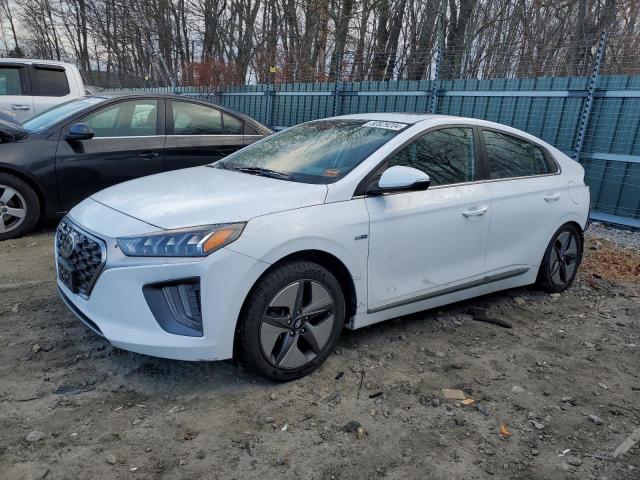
(340, 229)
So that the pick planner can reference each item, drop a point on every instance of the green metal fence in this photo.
(599, 126)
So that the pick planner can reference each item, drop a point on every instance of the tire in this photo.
(17, 198)
(291, 321)
(561, 259)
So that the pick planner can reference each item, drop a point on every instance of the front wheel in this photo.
(19, 207)
(561, 260)
(292, 321)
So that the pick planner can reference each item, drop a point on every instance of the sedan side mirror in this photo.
(401, 179)
(80, 131)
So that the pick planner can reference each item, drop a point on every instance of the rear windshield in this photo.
(317, 152)
(42, 121)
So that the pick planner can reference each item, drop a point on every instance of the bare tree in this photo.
(223, 42)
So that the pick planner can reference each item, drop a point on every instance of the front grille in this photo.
(80, 256)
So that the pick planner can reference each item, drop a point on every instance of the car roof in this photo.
(436, 119)
(31, 61)
(410, 118)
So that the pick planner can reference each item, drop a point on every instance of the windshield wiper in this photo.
(265, 172)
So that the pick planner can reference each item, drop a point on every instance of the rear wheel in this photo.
(19, 207)
(561, 260)
(292, 321)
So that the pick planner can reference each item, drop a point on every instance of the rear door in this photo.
(528, 198)
(50, 86)
(199, 134)
(15, 90)
(128, 143)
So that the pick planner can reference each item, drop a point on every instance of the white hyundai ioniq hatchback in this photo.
(343, 222)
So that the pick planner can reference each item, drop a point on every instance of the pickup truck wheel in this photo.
(292, 321)
(19, 207)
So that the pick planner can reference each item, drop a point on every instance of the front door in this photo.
(128, 144)
(199, 134)
(423, 243)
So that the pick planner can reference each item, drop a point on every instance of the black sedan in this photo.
(63, 155)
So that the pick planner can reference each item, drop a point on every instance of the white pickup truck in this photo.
(28, 87)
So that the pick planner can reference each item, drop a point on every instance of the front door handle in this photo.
(148, 155)
(475, 213)
(552, 197)
(16, 106)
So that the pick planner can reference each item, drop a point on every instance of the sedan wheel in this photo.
(13, 209)
(561, 260)
(291, 321)
(19, 207)
(297, 324)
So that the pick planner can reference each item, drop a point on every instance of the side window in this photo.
(10, 81)
(194, 119)
(446, 155)
(232, 126)
(125, 119)
(50, 83)
(510, 157)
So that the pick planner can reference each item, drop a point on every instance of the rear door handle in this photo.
(476, 212)
(15, 106)
(552, 197)
(148, 155)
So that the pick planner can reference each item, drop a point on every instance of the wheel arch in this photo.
(326, 260)
(574, 223)
(29, 180)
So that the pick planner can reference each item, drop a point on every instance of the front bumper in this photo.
(118, 310)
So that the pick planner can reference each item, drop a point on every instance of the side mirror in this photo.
(80, 131)
(401, 179)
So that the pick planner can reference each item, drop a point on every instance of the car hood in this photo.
(206, 196)
(11, 132)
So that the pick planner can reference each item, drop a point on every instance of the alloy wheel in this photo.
(13, 209)
(564, 258)
(297, 324)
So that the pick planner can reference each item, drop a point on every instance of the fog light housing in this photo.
(176, 306)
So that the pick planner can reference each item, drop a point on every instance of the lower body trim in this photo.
(452, 289)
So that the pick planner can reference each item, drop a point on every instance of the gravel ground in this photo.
(620, 237)
(563, 384)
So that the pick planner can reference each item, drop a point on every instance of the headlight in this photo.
(187, 242)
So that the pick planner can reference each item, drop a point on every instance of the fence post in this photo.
(270, 93)
(588, 101)
(336, 92)
(435, 84)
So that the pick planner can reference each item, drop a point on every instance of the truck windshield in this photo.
(42, 121)
(316, 152)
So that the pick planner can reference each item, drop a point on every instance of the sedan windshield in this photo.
(316, 152)
(42, 121)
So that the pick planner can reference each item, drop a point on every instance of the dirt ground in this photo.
(564, 382)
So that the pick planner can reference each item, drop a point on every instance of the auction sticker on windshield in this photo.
(387, 125)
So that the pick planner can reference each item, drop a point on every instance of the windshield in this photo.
(315, 152)
(42, 121)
